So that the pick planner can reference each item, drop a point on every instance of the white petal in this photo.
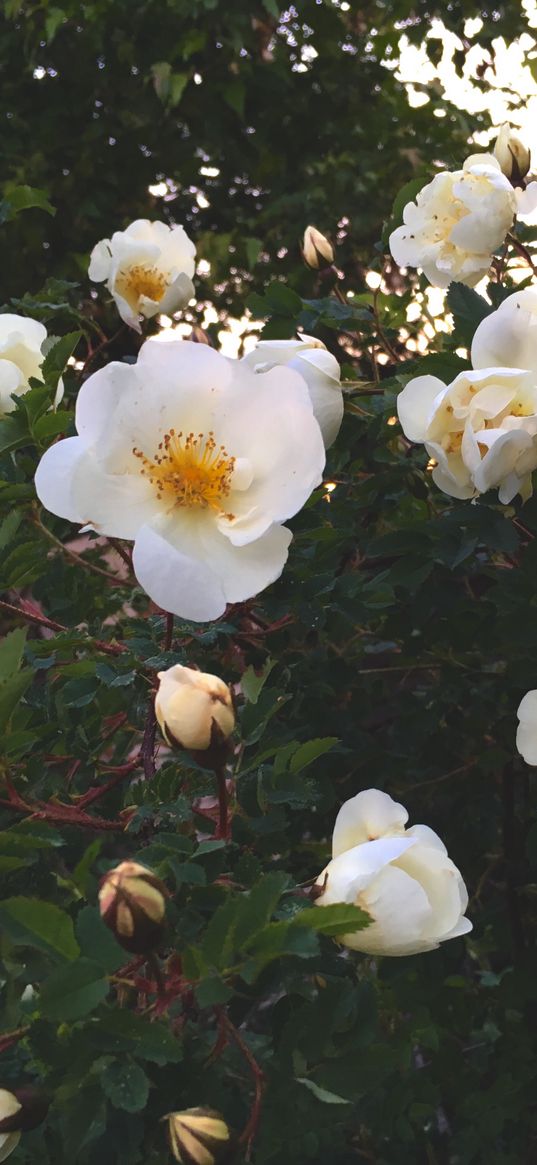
(11, 379)
(526, 201)
(54, 478)
(346, 875)
(188, 568)
(100, 261)
(99, 398)
(29, 332)
(427, 837)
(114, 504)
(508, 337)
(439, 877)
(526, 742)
(9, 1105)
(463, 926)
(501, 459)
(178, 295)
(370, 814)
(415, 405)
(401, 911)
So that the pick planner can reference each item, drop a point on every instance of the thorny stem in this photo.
(248, 1134)
(55, 812)
(168, 638)
(10, 1038)
(30, 616)
(155, 969)
(93, 352)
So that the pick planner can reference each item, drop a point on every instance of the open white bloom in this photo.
(194, 708)
(508, 336)
(21, 358)
(526, 736)
(320, 370)
(402, 877)
(148, 268)
(196, 459)
(456, 223)
(9, 1107)
(481, 430)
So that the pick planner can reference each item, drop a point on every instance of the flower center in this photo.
(140, 280)
(189, 470)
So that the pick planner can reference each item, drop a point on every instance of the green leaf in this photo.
(30, 922)
(57, 356)
(321, 1094)
(97, 942)
(333, 920)
(73, 991)
(213, 991)
(218, 943)
(125, 1084)
(257, 907)
(468, 309)
(309, 752)
(11, 652)
(252, 682)
(140, 1035)
(17, 198)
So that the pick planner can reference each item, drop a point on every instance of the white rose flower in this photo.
(197, 460)
(9, 1107)
(193, 707)
(402, 877)
(147, 268)
(526, 736)
(508, 336)
(481, 430)
(456, 223)
(21, 358)
(320, 370)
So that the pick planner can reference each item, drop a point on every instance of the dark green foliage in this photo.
(393, 652)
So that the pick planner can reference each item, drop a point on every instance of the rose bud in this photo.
(317, 251)
(199, 1136)
(195, 711)
(513, 156)
(132, 902)
(20, 1111)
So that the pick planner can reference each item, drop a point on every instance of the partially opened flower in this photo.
(512, 154)
(317, 250)
(132, 903)
(320, 370)
(21, 358)
(200, 1136)
(194, 709)
(457, 222)
(480, 431)
(526, 737)
(199, 461)
(147, 268)
(403, 878)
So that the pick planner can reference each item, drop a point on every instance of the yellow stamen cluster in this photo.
(189, 470)
(139, 280)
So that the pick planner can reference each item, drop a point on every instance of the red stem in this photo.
(248, 1133)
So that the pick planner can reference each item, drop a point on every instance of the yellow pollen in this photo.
(139, 280)
(189, 470)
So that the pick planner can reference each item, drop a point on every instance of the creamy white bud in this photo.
(316, 249)
(194, 709)
(512, 154)
(132, 903)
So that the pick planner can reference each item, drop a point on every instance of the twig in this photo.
(76, 558)
(248, 1134)
(93, 352)
(445, 776)
(10, 1038)
(52, 625)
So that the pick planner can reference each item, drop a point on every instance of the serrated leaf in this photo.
(11, 652)
(73, 991)
(97, 942)
(252, 682)
(125, 1084)
(257, 907)
(218, 941)
(309, 752)
(17, 198)
(56, 359)
(340, 918)
(31, 922)
(137, 1033)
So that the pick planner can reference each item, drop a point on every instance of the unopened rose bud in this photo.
(316, 249)
(20, 1110)
(513, 156)
(199, 1136)
(132, 902)
(194, 710)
